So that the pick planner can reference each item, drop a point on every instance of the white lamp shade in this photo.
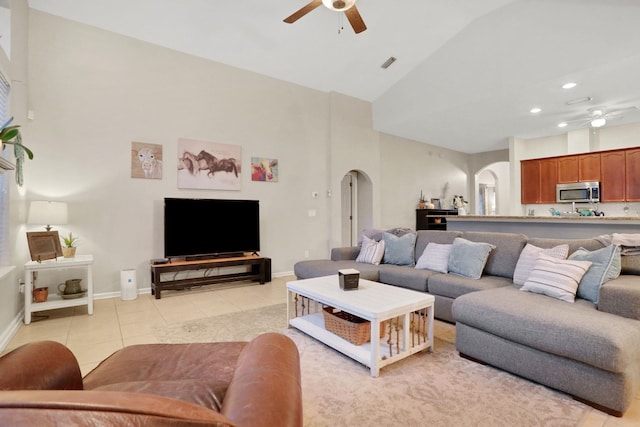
(598, 122)
(47, 213)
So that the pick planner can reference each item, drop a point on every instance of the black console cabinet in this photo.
(433, 219)
(260, 271)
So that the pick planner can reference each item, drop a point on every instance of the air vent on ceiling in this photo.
(579, 100)
(388, 62)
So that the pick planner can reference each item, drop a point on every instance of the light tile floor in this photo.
(116, 323)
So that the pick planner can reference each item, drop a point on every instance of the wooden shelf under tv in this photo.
(260, 272)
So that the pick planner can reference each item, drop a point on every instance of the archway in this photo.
(492, 189)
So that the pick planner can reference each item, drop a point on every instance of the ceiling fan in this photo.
(598, 117)
(346, 6)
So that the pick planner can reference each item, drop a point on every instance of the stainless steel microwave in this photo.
(578, 192)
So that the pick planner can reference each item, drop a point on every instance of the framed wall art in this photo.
(263, 169)
(44, 245)
(146, 160)
(209, 165)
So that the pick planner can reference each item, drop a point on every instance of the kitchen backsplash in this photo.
(609, 209)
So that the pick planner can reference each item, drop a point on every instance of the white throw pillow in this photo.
(435, 257)
(528, 258)
(557, 278)
(371, 251)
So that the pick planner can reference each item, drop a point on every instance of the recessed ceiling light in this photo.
(569, 85)
(535, 110)
(563, 124)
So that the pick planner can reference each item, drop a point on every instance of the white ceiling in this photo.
(467, 74)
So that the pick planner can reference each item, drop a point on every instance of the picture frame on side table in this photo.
(44, 245)
(436, 203)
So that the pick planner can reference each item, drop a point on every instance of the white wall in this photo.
(408, 167)
(94, 92)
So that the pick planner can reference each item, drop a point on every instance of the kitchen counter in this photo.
(569, 227)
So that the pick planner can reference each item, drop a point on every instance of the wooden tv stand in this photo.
(260, 271)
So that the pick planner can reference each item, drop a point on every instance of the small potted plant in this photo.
(422, 202)
(69, 249)
(10, 135)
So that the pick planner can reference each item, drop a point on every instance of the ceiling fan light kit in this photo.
(347, 6)
(339, 5)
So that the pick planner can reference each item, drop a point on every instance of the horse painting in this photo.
(209, 165)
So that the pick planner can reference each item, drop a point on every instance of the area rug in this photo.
(434, 389)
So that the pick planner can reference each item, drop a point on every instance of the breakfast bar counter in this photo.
(569, 227)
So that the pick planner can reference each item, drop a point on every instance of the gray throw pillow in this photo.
(399, 250)
(605, 265)
(468, 258)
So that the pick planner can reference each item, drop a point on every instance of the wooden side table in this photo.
(31, 270)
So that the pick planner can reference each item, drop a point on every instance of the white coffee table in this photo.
(409, 313)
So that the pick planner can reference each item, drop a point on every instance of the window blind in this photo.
(4, 179)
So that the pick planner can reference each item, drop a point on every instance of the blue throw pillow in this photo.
(605, 265)
(468, 258)
(399, 250)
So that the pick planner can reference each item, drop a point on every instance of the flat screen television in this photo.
(201, 228)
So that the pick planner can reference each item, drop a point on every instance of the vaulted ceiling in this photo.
(467, 73)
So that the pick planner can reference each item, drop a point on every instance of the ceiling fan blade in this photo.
(618, 111)
(355, 19)
(303, 11)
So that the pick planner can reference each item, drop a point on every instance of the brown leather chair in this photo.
(214, 384)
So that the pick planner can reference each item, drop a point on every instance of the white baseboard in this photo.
(283, 274)
(11, 330)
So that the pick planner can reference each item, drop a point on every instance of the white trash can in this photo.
(128, 285)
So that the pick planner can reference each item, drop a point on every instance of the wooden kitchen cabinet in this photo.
(632, 165)
(568, 169)
(538, 181)
(612, 179)
(589, 167)
(548, 180)
(618, 172)
(529, 181)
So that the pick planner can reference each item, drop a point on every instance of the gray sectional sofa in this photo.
(590, 351)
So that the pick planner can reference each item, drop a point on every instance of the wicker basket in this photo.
(348, 326)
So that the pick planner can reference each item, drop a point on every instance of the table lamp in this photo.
(44, 212)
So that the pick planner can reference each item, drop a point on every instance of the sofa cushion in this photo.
(371, 252)
(424, 237)
(528, 257)
(324, 267)
(630, 264)
(576, 331)
(574, 244)
(405, 277)
(605, 266)
(620, 296)
(399, 250)
(503, 259)
(452, 286)
(208, 394)
(201, 361)
(371, 233)
(435, 257)
(468, 258)
(557, 278)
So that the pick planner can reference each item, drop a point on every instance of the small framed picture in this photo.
(44, 245)
(436, 203)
